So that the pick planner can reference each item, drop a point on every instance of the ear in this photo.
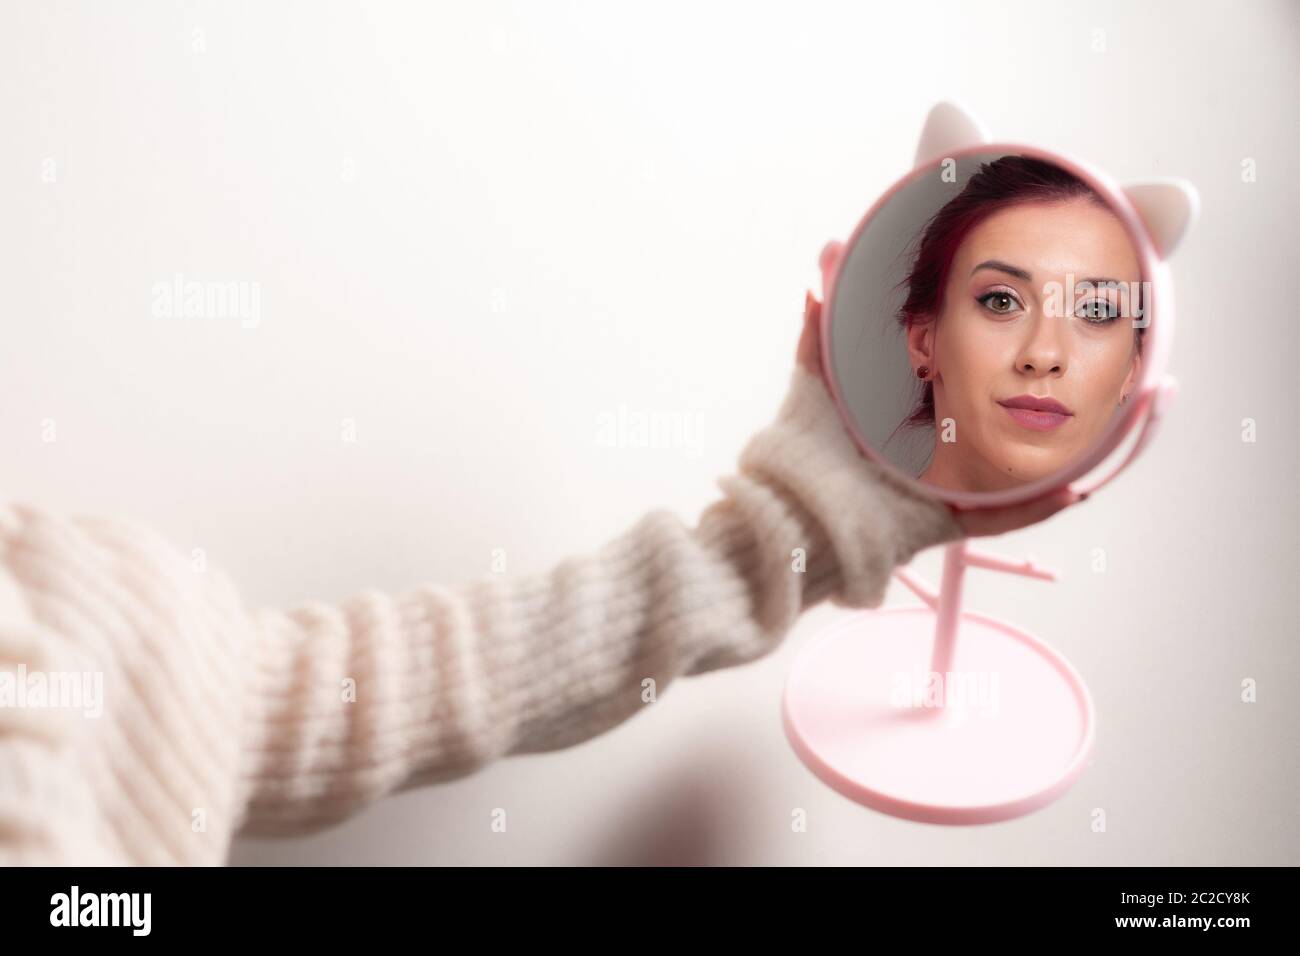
(1134, 373)
(948, 128)
(1168, 208)
(920, 343)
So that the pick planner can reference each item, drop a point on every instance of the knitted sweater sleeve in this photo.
(382, 693)
(147, 714)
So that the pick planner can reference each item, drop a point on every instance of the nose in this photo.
(1043, 351)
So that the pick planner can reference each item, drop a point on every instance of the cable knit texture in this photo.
(217, 719)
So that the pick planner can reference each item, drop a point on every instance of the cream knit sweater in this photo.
(218, 720)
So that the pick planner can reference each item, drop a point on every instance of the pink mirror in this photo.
(999, 321)
(996, 327)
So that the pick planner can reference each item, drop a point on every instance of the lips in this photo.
(1039, 413)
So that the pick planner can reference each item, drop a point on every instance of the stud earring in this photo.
(923, 371)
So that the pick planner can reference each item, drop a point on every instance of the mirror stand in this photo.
(940, 715)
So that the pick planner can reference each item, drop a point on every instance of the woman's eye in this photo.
(1098, 311)
(998, 302)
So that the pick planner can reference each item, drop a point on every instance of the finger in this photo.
(1045, 507)
(830, 256)
(808, 353)
(991, 521)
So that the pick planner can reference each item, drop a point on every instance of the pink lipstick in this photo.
(1037, 412)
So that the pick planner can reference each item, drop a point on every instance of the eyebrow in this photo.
(1019, 273)
(1001, 266)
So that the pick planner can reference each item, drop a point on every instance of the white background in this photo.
(475, 228)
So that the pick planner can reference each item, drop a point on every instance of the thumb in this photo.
(809, 351)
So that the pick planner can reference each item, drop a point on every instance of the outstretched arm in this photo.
(384, 693)
(148, 715)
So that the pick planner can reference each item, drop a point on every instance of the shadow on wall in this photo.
(684, 821)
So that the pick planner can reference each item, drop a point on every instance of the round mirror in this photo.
(990, 324)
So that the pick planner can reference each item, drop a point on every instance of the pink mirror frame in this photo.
(1150, 397)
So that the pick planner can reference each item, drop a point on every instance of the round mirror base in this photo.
(1005, 731)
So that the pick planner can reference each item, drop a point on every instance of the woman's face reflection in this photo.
(1019, 320)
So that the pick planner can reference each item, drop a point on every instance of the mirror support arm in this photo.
(946, 602)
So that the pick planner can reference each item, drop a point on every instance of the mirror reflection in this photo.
(987, 323)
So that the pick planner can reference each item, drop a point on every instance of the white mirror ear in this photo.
(1168, 208)
(948, 129)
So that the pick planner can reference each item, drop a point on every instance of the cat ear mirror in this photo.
(996, 327)
(999, 321)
